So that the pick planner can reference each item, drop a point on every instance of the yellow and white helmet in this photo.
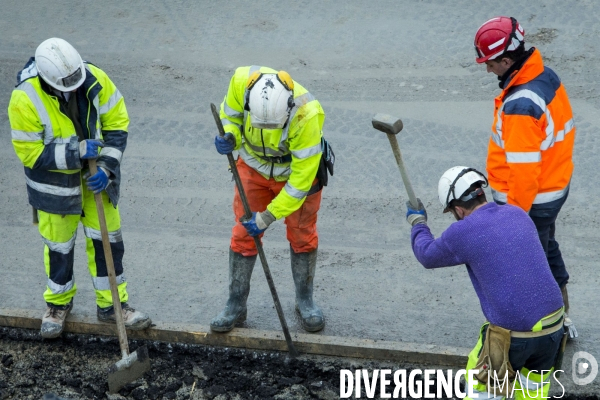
(59, 64)
(455, 182)
(269, 99)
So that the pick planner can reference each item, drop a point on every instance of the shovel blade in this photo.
(128, 369)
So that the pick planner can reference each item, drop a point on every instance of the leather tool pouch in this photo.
(493, 363)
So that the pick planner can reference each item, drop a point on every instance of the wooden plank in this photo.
(256, 339)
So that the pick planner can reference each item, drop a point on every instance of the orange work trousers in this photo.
(301, 225)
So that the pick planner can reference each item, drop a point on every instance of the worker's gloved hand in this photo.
(98, 182)
(258, 223)
(570, 328)
(89, 148)
(225, 144)
(416, 215)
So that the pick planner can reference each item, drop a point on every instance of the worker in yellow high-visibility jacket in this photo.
(276, 126)
(63, 112)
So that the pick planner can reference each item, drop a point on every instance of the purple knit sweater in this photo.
(505, 260)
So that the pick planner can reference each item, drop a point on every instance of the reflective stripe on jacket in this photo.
(300, 138)
(46, 142)
(530, 151)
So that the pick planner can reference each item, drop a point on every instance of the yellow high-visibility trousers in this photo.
(59, 233)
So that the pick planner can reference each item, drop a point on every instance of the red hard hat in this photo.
(497, 36)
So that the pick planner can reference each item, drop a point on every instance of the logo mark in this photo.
(584, 363)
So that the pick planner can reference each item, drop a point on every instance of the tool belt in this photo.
(550, 324)
(493, 364)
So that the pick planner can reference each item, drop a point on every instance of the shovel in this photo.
(131, 366)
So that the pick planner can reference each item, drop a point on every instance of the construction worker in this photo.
(510, 274)
(63, 112)
(276, 126)
(530, 150)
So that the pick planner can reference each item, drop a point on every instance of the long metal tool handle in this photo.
(409, 189)
(110, 266)
(248, 214)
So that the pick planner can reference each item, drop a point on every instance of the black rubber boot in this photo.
(303, 270)
(240, 271)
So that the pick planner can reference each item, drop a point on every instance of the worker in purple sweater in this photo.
(499, 244)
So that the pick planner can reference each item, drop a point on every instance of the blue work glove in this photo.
(98, 182)
(89, 148)
(258, 223)
(225, 144)
(416, 216)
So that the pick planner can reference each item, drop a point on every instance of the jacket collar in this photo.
(531, 69)
(30, 71)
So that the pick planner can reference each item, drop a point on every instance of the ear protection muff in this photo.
(283, 77)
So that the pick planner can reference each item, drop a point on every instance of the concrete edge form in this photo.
(256, 339)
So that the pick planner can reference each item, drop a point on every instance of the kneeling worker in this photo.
(507, 265)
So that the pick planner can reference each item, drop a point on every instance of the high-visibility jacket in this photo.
(47, 144)
(290, 154)
(530, 151)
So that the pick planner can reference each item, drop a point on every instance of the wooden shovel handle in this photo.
(110, 266)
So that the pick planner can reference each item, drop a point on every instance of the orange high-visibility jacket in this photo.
(530, 151)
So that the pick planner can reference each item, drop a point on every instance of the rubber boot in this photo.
(303, 270)
(568, 324)
(240, 272)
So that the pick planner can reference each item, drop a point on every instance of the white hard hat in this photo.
(270, 98)
(455, 182)
(59, 64)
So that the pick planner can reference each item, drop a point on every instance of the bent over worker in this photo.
(276, 125)
(63, 112)
(530, 152)
(510, 274)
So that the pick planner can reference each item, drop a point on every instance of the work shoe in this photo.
(134, 320)
(53, 320)
(303, 270)
(240, 272)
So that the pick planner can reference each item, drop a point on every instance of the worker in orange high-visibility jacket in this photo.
(276, 126)
(530, 151)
